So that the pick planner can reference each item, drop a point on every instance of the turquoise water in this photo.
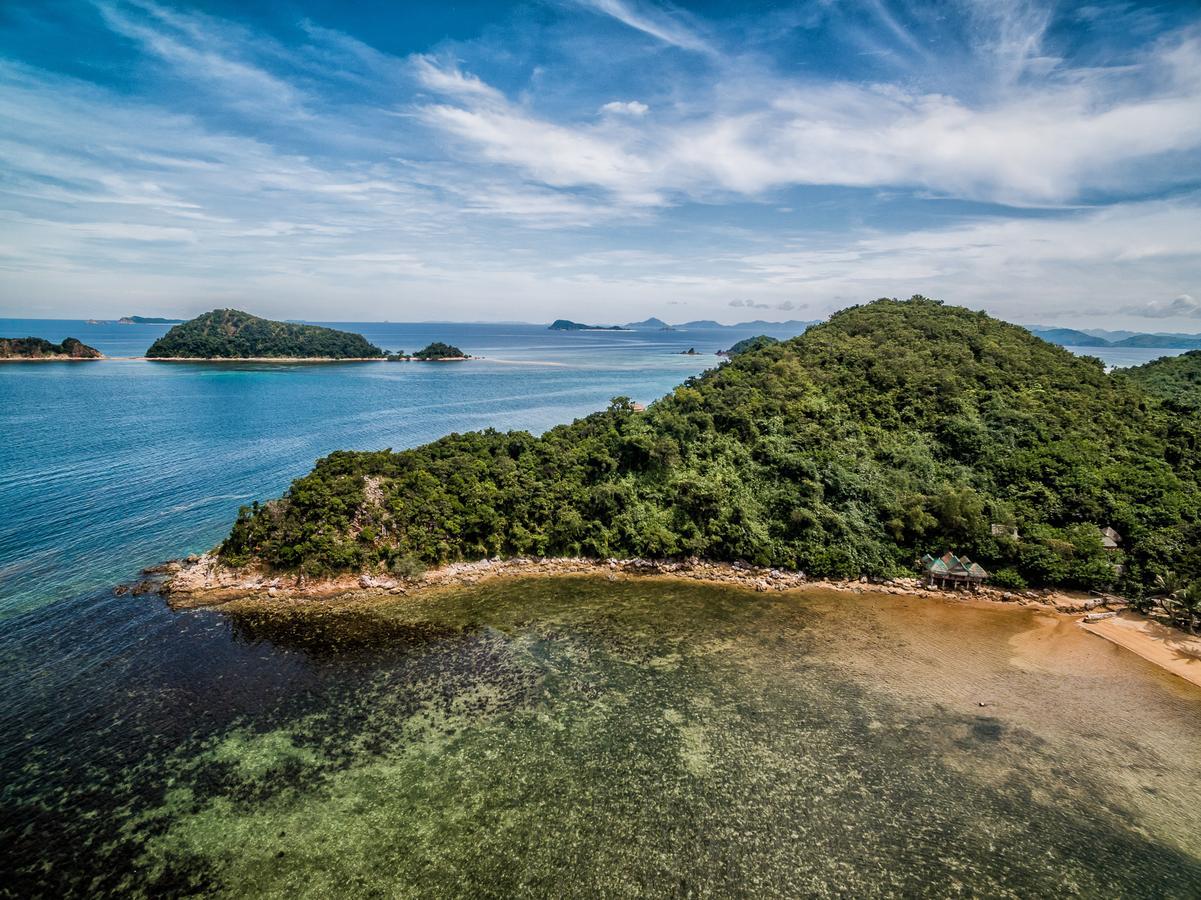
(119, 464)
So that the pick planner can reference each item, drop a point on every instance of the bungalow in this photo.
(952, 571)
(1009, 531)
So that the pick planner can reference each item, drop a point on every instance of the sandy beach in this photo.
(1169, 648)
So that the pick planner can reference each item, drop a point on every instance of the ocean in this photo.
(570, 737)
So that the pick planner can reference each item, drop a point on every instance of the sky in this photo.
(601, 160)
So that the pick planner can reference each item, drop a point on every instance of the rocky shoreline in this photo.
(205, 581)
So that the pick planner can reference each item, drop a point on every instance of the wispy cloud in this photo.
(624, 152)
(667, 26)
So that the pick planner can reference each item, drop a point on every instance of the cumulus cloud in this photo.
(1183, 307)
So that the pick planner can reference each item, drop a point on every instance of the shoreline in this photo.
(1168, 648)
(203, 582)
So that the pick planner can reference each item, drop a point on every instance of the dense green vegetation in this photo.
(233, 334)
(751, 343)
(146, 320)
(40, 348)
(1177, 379)
(439, 350)
(894, 429)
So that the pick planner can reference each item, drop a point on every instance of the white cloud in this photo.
(630, 108)
(1047, 144)
(1182, 307)
(670, 29)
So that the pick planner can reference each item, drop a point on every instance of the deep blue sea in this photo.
(551, 739)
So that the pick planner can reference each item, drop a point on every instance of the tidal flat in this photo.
(581, 737)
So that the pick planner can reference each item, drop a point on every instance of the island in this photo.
(35, 348)
(225, 334)
(147, 320)
(568, 325)
(899, 440)
(434, 352)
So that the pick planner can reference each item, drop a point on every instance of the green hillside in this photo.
(894, 429)
(233, 334)
(1174, 378)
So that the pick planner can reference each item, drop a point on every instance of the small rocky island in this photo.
(147, 320)
(233, 334)
(35, 348)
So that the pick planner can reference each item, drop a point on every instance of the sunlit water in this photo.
(550, 738)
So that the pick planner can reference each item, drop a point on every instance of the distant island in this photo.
(146, 320)
(568, 325)
(40, 348)
(435, 352)
(233, 334)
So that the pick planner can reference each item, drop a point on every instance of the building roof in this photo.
(951, 566)
(1110, 539)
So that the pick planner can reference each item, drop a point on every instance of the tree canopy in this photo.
(895, 428)
(233, 334)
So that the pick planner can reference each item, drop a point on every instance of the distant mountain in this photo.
(233, 334)
(799, 324)
(568, 325)
(147, 320)
(1166, 341)
(1069, 337)
(702, 323)
(652, 322)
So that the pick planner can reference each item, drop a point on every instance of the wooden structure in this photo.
(951, 571)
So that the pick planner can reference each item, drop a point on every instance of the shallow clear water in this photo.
(575, 737)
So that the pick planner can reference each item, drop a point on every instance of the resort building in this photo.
(1009, 531)
(951, 571)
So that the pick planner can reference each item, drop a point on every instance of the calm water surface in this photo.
(565, 737)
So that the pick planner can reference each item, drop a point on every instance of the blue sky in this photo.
(601, 159)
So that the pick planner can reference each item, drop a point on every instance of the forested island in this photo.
(146, 320)
(433, 352)
(895, 429)
(233, 334)
(40, 348)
